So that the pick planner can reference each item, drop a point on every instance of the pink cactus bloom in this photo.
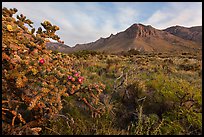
(80, 79)
(69, 77)
(42, 61)
(76, 74)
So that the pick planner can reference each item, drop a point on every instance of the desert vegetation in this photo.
(46, 92)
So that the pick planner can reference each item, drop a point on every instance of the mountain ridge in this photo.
(143, 37)
(189, 33)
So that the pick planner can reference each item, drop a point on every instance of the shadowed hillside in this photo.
(192, 33)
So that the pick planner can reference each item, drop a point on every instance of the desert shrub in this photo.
(141, 61)
(133, 52)
(200, 73)
(128, 95)
(189, 67)
(145, 124)
(85, 53)
(112, 60)
(112, 66)
(169, 61)
(130, 53)
(160, 53)
(185, 53)
(174, 102)
(32, 85)
(177, 98)
(182, 121)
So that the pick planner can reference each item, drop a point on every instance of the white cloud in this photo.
(184, 14)
(79, 23)
(87, 22)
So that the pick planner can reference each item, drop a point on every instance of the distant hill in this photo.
(142, 38)
(192, 33)
(55, 46)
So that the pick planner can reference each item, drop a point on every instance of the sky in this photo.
(84, 22)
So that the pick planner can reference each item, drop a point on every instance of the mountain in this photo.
(192, 33)
(55, 46)
(142, 38)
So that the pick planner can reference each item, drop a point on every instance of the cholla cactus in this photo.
(49, 30)
(32, 86)
(8, 12)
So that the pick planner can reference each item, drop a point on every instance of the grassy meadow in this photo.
(145, 94)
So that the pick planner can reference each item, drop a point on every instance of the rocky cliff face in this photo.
(140, 30)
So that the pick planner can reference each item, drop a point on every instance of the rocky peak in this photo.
(140, 30)
(175, 29)
(192, 33)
